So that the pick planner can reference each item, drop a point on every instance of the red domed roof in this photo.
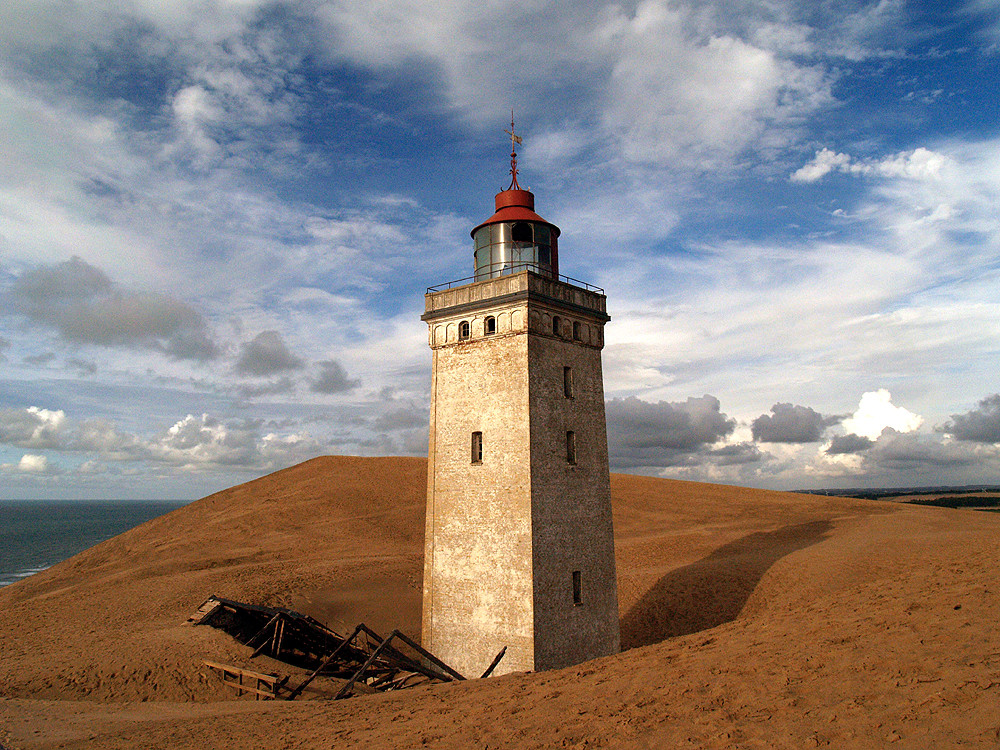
(516, 205)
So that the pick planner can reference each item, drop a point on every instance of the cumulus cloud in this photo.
(641, 433)
(981, 425)
(266, 354)
(205, 442)
(900, 451)
(918, 164)
(33, 464)
(86, 307)
(849, 444)
(103, 437)
(876, 412)
(32, 427)
(195, 442)
(791, 424)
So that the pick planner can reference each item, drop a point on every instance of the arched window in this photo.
(490, 326)
(464, 331)
(556, 325)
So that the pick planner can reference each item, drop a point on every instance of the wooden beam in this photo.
(297, 691)
(357, 675)
(493, 665)
(428, 655)
(259, 633)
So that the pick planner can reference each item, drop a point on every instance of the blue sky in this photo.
(218, 219)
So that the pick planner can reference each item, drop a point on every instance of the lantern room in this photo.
(515, 238)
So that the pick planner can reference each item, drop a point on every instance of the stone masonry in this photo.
(519, 547)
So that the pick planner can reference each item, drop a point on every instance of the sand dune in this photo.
(752, 618)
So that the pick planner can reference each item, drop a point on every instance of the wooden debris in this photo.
(362, 658)
(267, 686)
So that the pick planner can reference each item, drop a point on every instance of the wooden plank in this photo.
(273, 683)
(279, 634)
(259, 633)
(238, 670)
(273, 625)
(209, 607)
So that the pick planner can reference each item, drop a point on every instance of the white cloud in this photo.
(199, 443)
(876, 412)
(917, 164)
(825, 162)
(33, 464)
(680, 96)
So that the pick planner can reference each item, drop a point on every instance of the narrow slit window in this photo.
(568, 382)
(477, 447)
(556, 325)
(576, 331)
(490, 326)
(570, 446)
(464, 330)
(577, 588)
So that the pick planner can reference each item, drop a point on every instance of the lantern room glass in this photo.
(509, 247)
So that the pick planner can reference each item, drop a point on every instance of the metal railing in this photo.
(509, 270)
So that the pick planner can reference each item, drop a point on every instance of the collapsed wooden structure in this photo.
(363, 657)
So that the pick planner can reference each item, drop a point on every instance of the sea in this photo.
(35, 534)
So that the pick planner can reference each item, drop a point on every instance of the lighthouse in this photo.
(519, 545)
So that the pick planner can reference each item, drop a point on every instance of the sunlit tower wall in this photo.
(519, 546)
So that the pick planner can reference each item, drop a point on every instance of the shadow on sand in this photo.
(713, 590)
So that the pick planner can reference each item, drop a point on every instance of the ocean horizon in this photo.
(37, 534)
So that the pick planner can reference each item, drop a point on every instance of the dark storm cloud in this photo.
(332, 379)
(849, 443)
(86, 307)
(981, 425)
(403, 418)
(899, 450)
(737, 454)
(641, 433)
(265, 355)
(791, 424)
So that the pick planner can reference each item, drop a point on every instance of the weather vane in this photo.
(515, 140)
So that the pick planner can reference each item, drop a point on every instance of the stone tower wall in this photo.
(478, 577)
(571, 519)
(504, 538)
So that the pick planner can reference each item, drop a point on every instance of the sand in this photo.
(752, 619)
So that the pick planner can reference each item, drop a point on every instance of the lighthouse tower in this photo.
(519, 547)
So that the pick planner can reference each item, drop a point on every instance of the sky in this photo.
(218, 221)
